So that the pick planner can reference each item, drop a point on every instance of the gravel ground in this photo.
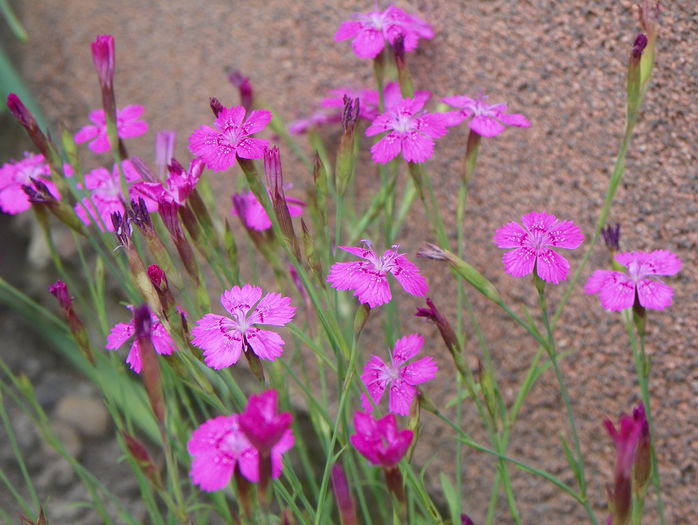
(560, 63)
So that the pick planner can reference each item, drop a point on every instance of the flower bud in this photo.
(103, 60)
(342, 495)
(243, 84)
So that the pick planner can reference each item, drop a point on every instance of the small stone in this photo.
(68, 436)
(87, 415)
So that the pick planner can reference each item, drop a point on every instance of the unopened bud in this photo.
(103, 60)
(143, 326)
(342, 495)
(244, 86)
(216, 106)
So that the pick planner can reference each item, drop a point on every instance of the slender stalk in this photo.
(642, 369)
(552, 353)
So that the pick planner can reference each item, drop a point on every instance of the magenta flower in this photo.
(122, 332)
(368, 99)
(223, 338)
(219, 147)
(618, 291)
(487, 120)
(532, 243)
(127, 126)
(218, 446)
(369, 278)
(261, 423)
(410, 131)
(106, 196)
(371, 30)
(178, 186)
(14, 175)
(253, 213)
(380, 441)
(399, 376)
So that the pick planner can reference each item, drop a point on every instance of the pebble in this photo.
(87, 415)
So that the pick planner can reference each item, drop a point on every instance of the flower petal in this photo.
(401, 397)
(519, 262)
(406, 348)
(375, 377)
(221, 345)
(274, 309)
(266, 344)
(511, 235)
(551, 266)
(486, 126)
(409, 277)
(654, 294)
(419, 371)
(564, 234)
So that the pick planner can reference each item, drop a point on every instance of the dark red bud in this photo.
(216, 106)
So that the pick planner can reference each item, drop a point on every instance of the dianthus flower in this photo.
(127, 126)
(218, 446)
(487, 120)
(379, 440)
(219, 147)
(400, 377)
(253, 212)
(122, 332)
(262, 424)
(410, 131)
(223, 338)
(368, 99)
(106, 196)
(532, 243)
(618, 291)
(14, 175)
(178, 186)
(371, 30)
(369, 278)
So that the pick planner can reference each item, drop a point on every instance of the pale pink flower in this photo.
(106, 196)
(255, 216)
(262, 424)
(14, 175)
(219, 147)
(224, 338)
(532, 243)
(618, 291)
(380, 441)
(316, 120)
(122, 332)
(399, 376)
(128, 125)
(369, 278)
(486, 120)
(409, 130)
(218, 446)
(370, 31)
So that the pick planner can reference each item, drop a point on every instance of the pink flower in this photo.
(399, 376)
(532, 244)
(219, 445)
(223, 338)
(380, 441)
(410, 131)
(253, 212)
(317, 119)
(261, 423)
(369, 278)
(106, 196)
(487, 120)
(219, 147)
(178, 186)
(368, 99)
(371, 30)
(14, 175)
(122, 332)
(618, 291)
(127, 126)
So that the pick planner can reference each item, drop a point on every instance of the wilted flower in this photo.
(261, 423)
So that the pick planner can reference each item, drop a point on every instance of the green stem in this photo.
(642, 369)
(552, 353)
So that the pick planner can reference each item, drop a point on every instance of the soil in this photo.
(562, 64)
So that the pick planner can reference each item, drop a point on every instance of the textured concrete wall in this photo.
(560, 63)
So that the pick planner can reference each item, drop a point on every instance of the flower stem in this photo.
(642, 369)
